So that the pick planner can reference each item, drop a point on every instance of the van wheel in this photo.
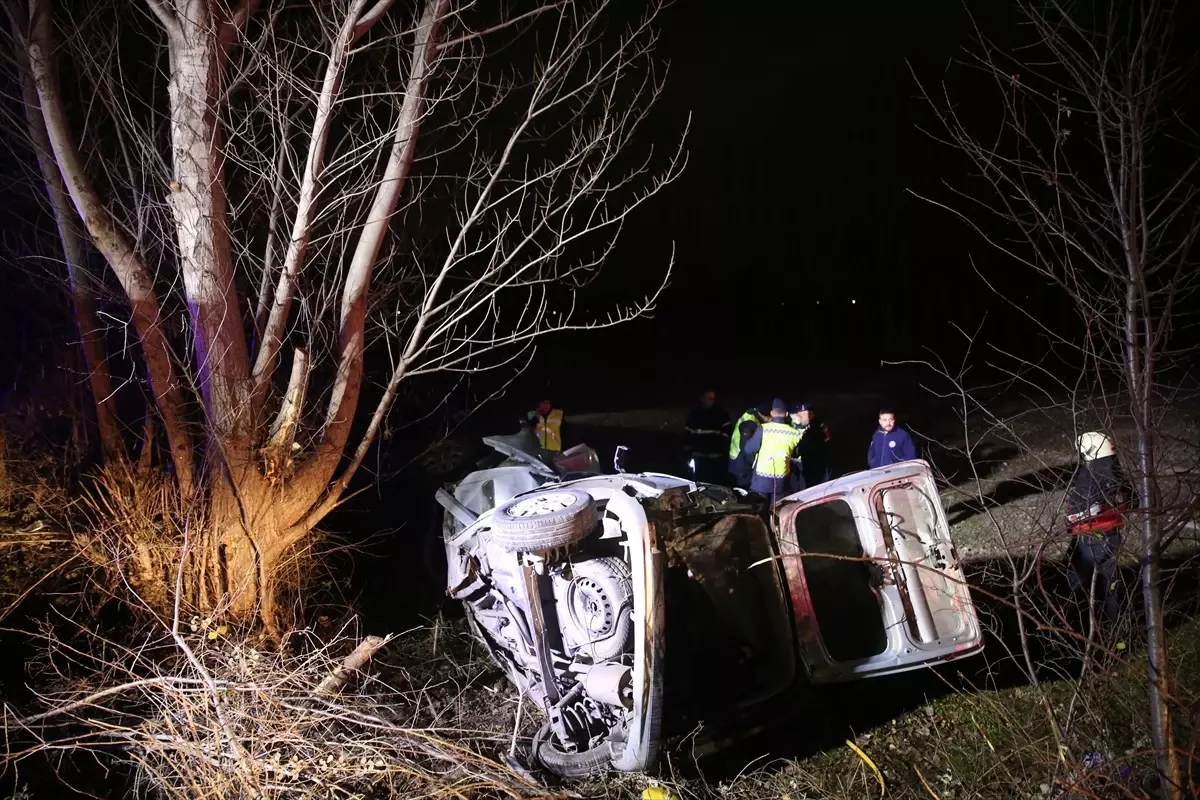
(571, 765)
(544, 521)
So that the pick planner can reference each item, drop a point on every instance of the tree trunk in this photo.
(5, 486)
(318, 472)
(252, 534)
(1162, 723)
(80, 280)
(198, 202)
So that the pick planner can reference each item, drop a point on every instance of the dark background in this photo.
(801, 253)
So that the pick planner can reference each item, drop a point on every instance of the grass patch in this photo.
(981, 744)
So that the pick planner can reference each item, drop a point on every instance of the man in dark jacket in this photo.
(891, 444)
(1098, 489)
(1099, 484)
(814, 444)
(739, 466)
(706, 439)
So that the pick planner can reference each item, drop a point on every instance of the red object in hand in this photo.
(1108, 520)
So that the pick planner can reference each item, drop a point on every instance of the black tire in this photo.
(594, 609)
(544, 521)
(571, 765)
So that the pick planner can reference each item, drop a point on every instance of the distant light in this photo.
(818, 302)
(852, 302)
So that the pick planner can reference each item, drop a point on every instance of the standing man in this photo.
(1098, 490)
(706, 439)
(814, 444)
(891, 444)
(743, 428)
(773, 447)
(741, 466)
(548, 426)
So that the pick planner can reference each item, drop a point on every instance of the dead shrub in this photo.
(144, 538)
(199, 714)
(135, 531)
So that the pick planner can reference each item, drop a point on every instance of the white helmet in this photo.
(1093, 445)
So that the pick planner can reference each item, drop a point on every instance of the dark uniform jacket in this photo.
(707, 432)
(814, 453)
(1098, 482)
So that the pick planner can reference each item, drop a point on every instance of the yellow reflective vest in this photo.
(779, 444)
(735, 442)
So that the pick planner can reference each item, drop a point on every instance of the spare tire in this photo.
(595, 608)
(543, 521)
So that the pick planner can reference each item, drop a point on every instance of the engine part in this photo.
(611, 684)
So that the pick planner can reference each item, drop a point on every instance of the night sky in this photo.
(804, 142)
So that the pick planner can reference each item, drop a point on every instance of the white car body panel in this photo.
(925, 602)
(890, 518)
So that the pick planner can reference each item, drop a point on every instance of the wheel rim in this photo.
(591, 610)
(542, 504)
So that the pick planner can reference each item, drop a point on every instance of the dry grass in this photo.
(432, 718)
(973, 744)
(201, 715)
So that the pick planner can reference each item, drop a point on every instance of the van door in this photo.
(875, 582)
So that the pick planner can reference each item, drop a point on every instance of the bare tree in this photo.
(1097, 195)
(293, 181)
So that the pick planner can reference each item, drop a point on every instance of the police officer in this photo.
(773, 447)
(814, 444)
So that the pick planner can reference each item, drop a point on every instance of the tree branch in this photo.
(348, 381)
(303, 221)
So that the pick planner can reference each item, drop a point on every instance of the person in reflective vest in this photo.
(740, 466)
(548, 427)
(735, 442)
(706, 432)
(773, 447)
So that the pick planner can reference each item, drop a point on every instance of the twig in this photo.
(352, 663)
